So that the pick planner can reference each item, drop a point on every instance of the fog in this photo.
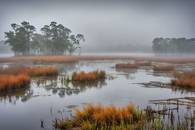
(108, 26)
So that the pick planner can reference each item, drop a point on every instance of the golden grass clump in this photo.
(184, 80)
(31, 71)
(143, 63)
(88, 76)
(126, 66)
(163, 68)
(42, 71)
(93, 117)
(10, 82)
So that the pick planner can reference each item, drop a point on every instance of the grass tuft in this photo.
(88, 76)
(184, 80)
(31, 71)
(93, 117)
(163, 68)
(10, 82)
(126, 66)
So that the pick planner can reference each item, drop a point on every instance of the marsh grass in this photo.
(10, 82)
(41, 59)
(13, 78)
(94, 117)
(163, 68)
(127, 66)
(31, 71)
(98, 117)
(184, 80)
(143, 63)
(86, 77)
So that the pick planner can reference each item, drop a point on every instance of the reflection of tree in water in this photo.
(158, 84)
(128, 73)
(62, 86)
(183, 90)
(67, 67)
(13, 97)
(85, 85)
(57, 85)
(162, 73)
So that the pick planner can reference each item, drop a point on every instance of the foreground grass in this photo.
(94, 117)
(184, 80)
(10, 82)
(98, 117)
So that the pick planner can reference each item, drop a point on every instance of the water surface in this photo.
(48, 99)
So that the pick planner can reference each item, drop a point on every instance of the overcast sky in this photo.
(107, 24)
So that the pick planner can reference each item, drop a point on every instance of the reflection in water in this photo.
(183, 90)
(47, 96)
(128, 73)
(155, 84)
(13, 97)
(176, 110)
(59, 85)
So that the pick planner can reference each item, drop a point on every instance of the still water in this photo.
(48, 99)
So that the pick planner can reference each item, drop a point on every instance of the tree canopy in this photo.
(173, 45)
(54, 39)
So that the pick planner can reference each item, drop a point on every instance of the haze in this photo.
(118, 26)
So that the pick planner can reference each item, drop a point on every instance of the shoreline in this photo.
(67, 59)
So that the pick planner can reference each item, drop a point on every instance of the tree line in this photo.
(54, 39)
(174, 45)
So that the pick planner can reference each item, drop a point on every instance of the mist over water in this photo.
(108, 26)
(59, 55)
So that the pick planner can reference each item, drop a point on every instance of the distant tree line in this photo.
(174, 45)
(54, 39)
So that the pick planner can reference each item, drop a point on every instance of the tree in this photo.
(57, 37)
(20, 37)
(60, 40)
(173, 45)
(75, 42)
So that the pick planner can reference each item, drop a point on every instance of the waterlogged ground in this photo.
(49, 99)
